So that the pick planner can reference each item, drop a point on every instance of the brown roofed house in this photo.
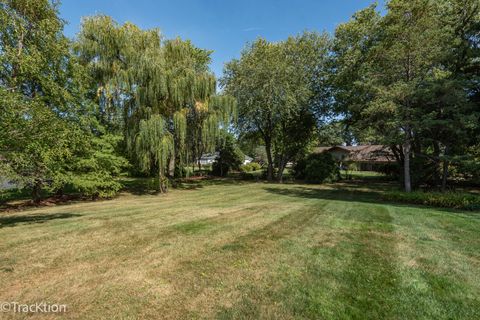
(367, 157)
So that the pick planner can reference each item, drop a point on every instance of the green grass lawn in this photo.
(364, 175)
(241, 250)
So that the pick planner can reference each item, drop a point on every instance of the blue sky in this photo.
(223, 26)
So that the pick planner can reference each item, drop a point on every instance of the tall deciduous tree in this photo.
(35, 92)
(408, 52)
(47, 137)
(139, 78)
(398, 75)
(154, 146)
(277, 89)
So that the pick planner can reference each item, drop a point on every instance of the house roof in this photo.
(209, 156)
(214, 156)
(321, 149)
(363, 153)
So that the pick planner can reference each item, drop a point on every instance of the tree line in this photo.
(79, 113)
(407, 78)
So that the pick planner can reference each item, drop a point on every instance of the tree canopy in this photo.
(156, 92)
(399, 77)
(118, 99)
(276, 87)
(45, 116)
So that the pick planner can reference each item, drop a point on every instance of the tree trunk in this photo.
(59, 192)
(281, 168)
(17, 66)
(445, 171)
(161, 187)
(406, 163)
(37, 188)
(268, 149)
(397, 153)
(436, 154)
(171, 167)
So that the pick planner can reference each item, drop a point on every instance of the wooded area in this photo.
(77, 114)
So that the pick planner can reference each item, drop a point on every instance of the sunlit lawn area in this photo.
(241, 250)
(363, 174)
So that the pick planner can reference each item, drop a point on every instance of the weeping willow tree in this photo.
(138, 79)
(206, 121)
(153, 147)
(197, 112)
(113, 53)
(176, 83)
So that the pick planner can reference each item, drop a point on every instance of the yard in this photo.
(244, 250)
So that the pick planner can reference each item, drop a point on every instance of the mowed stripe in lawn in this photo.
(342, 265)
(247, 251)
(110, 243)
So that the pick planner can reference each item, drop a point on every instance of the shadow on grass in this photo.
(139, 186)
(147, 186)
(354, 193)
(19, 205)
(196, 183)
(12, 221)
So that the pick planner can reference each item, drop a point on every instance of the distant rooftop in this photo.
(363, 153)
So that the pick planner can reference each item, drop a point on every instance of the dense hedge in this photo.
(456, 200)
(249, 167)
(316, 168)
(100, 185)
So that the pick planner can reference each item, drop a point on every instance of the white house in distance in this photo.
(247, 159)
(209, 158)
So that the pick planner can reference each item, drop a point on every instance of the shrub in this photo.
(316, 168)
(468, 167)
(94, 171)
(220, 169)
(229, 158)
(255, 166)
(246, 168)
(253, 175)
(98, 185)
(455, 200)
(183, 171)
(299, 168)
